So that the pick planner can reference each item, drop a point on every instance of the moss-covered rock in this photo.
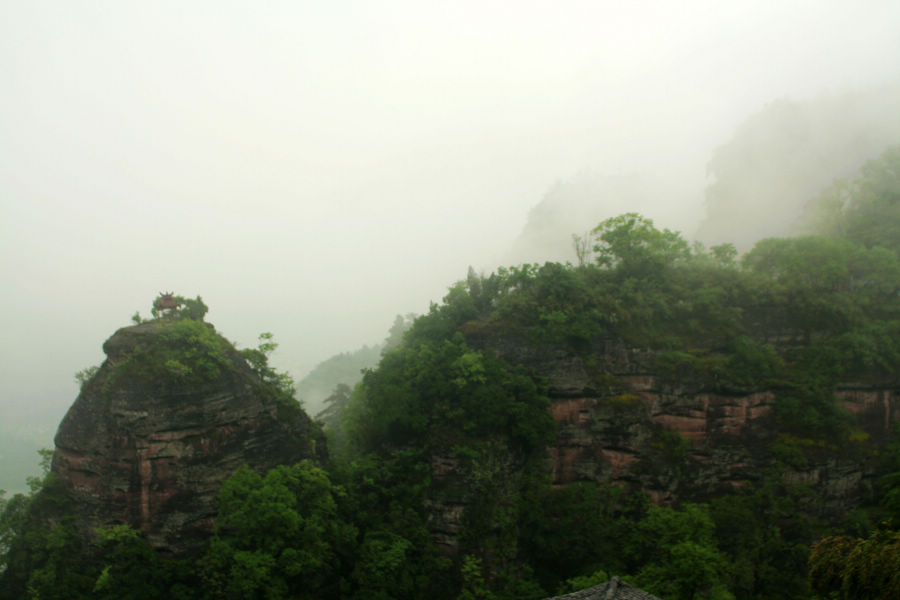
(170, 414)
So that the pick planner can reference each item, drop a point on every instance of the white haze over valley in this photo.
(314, 169)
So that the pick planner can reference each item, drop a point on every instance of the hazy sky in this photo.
(314, 168)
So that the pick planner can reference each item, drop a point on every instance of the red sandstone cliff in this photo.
(150, 447)
(678, 439)
(616, 415)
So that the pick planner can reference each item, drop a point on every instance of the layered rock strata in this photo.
(678, 438)
(152, 451)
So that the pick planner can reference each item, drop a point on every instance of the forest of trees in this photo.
(358, 526)
(346, 368)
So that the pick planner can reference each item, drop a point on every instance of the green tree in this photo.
(677, 554)
(194, 309)
(447, 387)
(258, 359)
(402, 324)
(582, 245)
(573, 532)
(631, 244)
(134, 571)
(764, 533)
(278, 536)
(41, 555)
(857, 569)
(724, 254)
(474, 586)
(397, 558)
(865, 210)
(381, 569)
(335, 405)
(85, 375)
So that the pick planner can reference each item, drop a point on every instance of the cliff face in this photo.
(621, 421)
(171, 413)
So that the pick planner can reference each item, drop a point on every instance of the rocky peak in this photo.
(170, 414)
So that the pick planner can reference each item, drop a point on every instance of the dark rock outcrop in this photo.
(679, 438)
(167, 418)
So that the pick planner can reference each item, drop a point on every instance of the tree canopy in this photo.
(437, 484)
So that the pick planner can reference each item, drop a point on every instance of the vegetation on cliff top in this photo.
(178, 348)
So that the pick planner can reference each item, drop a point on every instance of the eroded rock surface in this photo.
(150, 445)
(620, 421)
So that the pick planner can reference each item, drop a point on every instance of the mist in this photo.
(315, 170)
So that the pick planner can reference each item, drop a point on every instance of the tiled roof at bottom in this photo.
(614, 589)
